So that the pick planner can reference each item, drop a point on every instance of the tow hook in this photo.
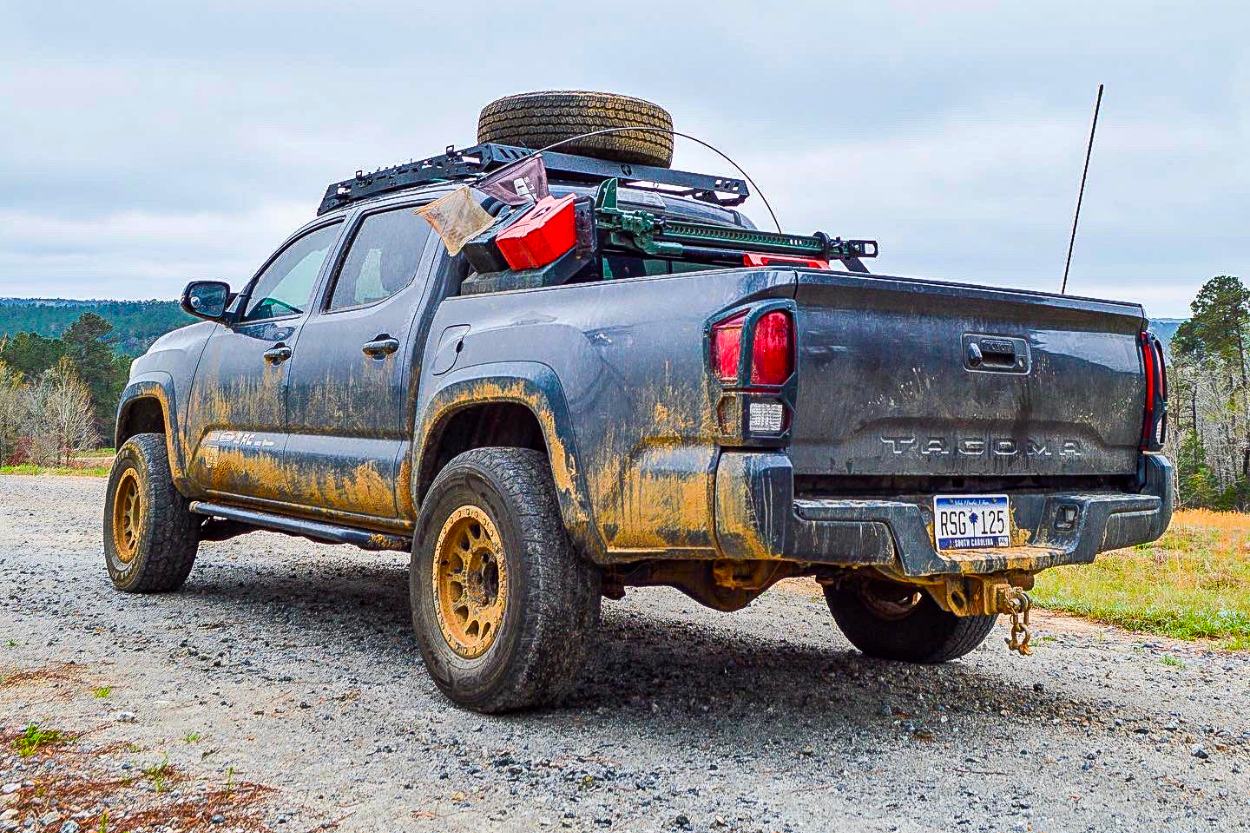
(1016, 603)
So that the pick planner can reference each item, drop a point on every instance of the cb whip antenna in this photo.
(1089, 148)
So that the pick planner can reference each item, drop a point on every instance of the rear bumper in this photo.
(757, 516)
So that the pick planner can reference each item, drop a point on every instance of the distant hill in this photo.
(1165, 329)
(136, 324)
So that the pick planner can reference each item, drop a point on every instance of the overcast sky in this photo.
(142, 145)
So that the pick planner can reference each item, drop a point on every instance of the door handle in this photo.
(381, 346)
(277, 354)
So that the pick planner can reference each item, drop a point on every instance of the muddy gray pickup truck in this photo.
(677, 399)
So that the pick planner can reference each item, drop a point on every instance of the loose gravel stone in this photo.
(763, 720)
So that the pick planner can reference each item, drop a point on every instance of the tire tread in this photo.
(562, 591)
(535, 120)
(168, 554)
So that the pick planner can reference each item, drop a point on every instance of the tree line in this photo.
(136, 324)
(1209, 398)
(58, 395)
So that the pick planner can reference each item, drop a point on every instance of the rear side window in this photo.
(286, 285)
(381, 260)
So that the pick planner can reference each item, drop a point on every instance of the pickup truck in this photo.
(921, 448)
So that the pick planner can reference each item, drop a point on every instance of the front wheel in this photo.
(150, 533)
(503, 607)
(901, 622)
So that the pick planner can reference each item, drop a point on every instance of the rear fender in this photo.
(535, 386)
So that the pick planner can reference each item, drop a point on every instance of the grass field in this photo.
(97, 453)
(86, 468)
(95, 463)
(1193, 583)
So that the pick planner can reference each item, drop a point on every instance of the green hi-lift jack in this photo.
(641, 231)
(617, 230)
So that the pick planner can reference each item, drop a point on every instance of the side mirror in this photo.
(206, 299)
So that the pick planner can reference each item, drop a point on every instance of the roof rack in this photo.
(468, 163)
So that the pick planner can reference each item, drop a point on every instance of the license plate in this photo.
(962, 522)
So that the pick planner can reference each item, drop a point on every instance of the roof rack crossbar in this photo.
(465, 164)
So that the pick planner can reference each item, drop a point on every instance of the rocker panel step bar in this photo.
(316, 530)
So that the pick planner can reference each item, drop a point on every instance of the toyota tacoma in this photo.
(622, 382)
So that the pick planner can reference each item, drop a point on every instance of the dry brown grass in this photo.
(1193, 583)
(84, 780)
(1234, 522)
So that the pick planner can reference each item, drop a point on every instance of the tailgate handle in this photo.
(996, 353)
(993, 352)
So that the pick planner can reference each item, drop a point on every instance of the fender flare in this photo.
(157, 385)
(535, 386)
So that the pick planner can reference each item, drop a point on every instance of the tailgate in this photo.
(906, 377)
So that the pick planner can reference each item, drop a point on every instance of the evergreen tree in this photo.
(30, 354)
(94, 363)
(1210, 405)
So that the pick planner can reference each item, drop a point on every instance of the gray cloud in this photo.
(143, 144)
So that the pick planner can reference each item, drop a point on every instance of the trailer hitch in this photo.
(986, 595)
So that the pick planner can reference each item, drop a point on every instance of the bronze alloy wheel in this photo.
(150, 534)
(503, 607)
(470, 581)
(127, 516)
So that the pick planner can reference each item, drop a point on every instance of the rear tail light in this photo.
(761, 412)
(727, 348)
(772, 349)
(1154, 421)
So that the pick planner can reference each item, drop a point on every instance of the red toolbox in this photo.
(545, 232)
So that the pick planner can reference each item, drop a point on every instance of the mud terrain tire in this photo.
(551, 596)
(924, 634)
(151, 548)
(535, 120)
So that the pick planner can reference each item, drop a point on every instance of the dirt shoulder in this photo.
(289, 667)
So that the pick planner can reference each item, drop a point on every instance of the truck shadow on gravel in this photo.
(647, 661)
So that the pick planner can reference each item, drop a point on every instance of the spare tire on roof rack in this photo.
(535, 120)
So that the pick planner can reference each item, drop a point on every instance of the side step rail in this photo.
(315, 530)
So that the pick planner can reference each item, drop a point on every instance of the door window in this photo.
(286, 285)
(382, 259)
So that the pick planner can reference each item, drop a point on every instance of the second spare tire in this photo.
(535, 120)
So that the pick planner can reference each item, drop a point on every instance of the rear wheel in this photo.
(150, 534)
(902, 622)
(503, 607)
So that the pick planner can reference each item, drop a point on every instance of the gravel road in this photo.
(290, 665)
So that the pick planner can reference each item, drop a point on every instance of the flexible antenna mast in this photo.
(1089, 149)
